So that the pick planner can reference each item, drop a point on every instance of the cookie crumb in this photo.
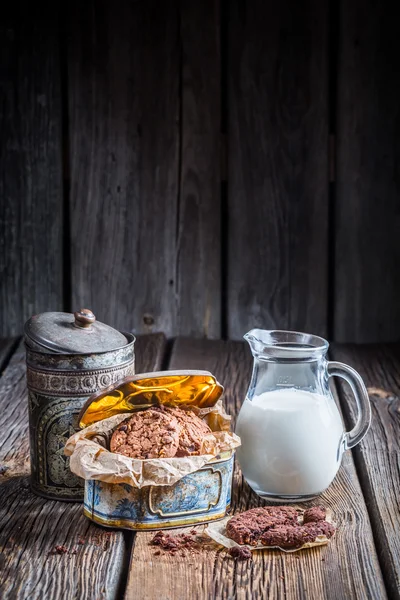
(172, 544)
(240, 553)
(59, 550)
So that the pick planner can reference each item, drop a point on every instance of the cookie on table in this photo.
(279, 526)
(151, 433)
(193, 430)
(249, 526)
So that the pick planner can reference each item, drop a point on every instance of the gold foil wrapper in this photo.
(197, 389)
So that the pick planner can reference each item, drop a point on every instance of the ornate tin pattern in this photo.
(56, 421)
(59, 385)
(193, 494)
(74, 383)
(197, 498)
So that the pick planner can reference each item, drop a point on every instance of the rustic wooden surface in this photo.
(277, 166)
(31, 527)
(377, 456)
(367, 274)
(144, 129)
(31, 202)
(347, 568)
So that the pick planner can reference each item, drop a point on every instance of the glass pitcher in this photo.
(292, 433)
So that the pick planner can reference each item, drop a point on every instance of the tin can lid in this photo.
(66, 333)
(137, 392)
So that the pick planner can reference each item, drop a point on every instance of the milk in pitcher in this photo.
(291, 442)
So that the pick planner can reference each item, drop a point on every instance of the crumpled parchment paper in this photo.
(90, 459)
(217, 532)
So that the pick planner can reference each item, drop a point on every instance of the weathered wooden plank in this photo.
(149, 352)
(277, 165)
(377, 457)
(31, 527)
(156, 194)
(124, 138)
(31, 204)
(347, 568)
(198, 237)
(367, 199)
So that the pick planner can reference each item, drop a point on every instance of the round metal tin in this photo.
(59, 384)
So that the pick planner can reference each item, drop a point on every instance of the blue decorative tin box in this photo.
(199, 496)
(204, 495)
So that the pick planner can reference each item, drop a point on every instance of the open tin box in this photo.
(200, 496)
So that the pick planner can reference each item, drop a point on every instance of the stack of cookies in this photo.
(160, 432)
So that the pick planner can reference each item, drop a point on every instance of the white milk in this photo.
(291, 442)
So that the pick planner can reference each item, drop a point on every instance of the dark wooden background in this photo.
(202, 168)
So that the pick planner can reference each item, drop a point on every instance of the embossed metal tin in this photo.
(59, 384)
(202, 496)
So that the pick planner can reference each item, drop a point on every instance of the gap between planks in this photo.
(7, 348)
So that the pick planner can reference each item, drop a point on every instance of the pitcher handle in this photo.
(362, 400)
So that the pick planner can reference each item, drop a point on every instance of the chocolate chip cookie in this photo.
(151, 433)
(248, 527)
(193, 430)
(279, 526)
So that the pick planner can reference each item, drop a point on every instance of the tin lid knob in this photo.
(84, 318)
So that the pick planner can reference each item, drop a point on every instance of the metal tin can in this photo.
(200, 497)
(69, 357)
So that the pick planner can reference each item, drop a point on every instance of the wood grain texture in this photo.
(31, 527)
(124, 138)
(150, 352)
(277, 166)
(367, 275)
(31, 201)
(198, 270)
(346, 568)
(144, 204)
(377, 456)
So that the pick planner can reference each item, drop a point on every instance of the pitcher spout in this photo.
(258, 340)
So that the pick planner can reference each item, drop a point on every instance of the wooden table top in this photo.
(362, 561)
